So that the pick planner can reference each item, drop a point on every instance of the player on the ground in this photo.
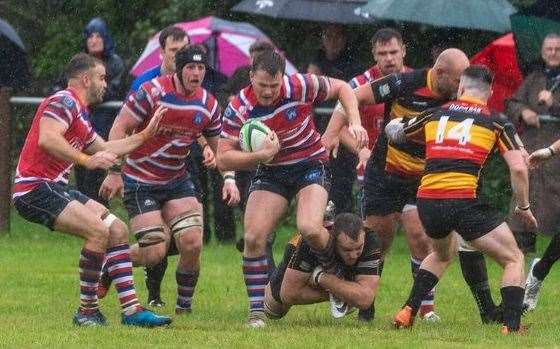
(300, 279)
(459, 137)
(158, 193)
(393, 171)
(60, 136)
(291, 163)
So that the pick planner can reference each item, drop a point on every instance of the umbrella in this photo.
(530, 26)
(500, 57)
(491, 15)
(14, 72)
(228, 44)
(331, 11)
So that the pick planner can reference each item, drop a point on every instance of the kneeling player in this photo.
(301, 280)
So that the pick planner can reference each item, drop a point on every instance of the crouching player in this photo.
(300, 278)
(60, 136)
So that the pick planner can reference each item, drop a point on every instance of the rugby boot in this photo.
(87, 320)
(404, 318)
(145, 318)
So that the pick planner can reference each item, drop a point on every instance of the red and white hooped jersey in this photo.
(162, 158)
(290, 117)
(35, 165)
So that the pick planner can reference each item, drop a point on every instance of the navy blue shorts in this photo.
(384, 194)
(44, 204)
(142, 197)
(288, 180)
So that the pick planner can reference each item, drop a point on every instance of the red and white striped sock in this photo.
(120, 272)
(90, 269)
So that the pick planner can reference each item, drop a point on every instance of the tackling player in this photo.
(291, 163)
(459, 137)
(60, 136)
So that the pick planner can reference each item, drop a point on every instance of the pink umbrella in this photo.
(228, 44)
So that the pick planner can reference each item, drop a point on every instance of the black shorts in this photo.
(140, 197)
(385, 194)
(471, 218)
(288, 180)
(44, 204)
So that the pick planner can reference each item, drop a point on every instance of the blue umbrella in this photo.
(14, 72)
(491, 15)
(330, 11)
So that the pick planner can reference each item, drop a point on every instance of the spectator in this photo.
(335, 60)
(539, 95)
(98, 43)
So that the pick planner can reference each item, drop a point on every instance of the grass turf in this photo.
(39, 294)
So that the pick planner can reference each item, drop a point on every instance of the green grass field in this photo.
(39, 294)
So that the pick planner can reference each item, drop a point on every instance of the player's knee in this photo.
(189, 242)
(99, 234)
(119, 230)
(153, 237)
(186, 229)
(310, 231)
(254, 240)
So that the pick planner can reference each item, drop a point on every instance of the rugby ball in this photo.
(252, 135)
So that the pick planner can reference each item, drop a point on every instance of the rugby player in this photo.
(393, 171)
(290, 164)
(300, 279)
(158, 193)
(60, 136)
(459, 137)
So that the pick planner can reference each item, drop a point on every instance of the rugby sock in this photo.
(90, 265)
(473, 267)
(550, 256)
(427, 304)
(154, 277)
(423, 283)
(120, 271)
(255, 272)
(186, 283)
(512, 297)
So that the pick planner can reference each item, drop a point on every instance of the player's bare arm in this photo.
(358, 293)
(230, 192)
(230, 157)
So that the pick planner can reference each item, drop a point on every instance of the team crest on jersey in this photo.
(198, 118)
(229, 113)
(68, 102)
(384, 90)
(140, 94)
(291, 114)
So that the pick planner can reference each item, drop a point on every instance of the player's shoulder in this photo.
(64, 100)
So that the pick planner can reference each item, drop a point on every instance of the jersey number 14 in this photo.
(460, 132)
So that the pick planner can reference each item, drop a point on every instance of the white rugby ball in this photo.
(252, 135)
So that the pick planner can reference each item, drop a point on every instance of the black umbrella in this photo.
(14, 72)
(530, 26)
(331, 11)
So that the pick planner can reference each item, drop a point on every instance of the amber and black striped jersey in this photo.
(298, 256)
(459, 138)
(405, 95)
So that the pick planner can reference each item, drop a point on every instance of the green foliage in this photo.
(496, 188)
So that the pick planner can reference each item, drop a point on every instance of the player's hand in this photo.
(318, 272)
(530, 117)
(230, 192)
(102, 159)
(270, 148)
(363, 157)
(538, 156)
(208, 158)
(527, 218)
(359, 133)
(112, 186)
(331, 143)
(545, 97)
(153, 126)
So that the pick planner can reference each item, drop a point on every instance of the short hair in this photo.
(349, 223)
(478, 77)
(174, 32)
(260, 46)
(80, 63)
(385, 35)
(271, 62)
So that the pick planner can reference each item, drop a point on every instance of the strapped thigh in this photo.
(150, 236)
(184, 222)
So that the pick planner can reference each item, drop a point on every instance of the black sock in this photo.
(367, 314)
(473, 267)
(423, 283)
(512, 300)
(154, 277)
(550, 256)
